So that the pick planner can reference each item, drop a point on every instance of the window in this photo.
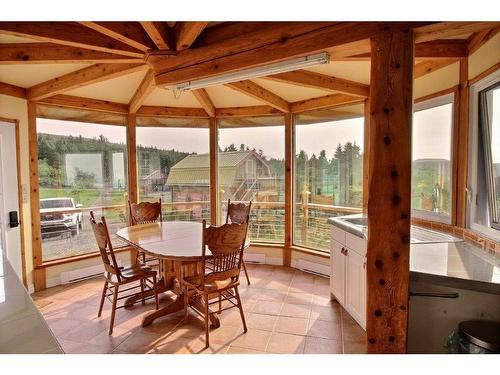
(486, 156)
(252, 168)
(328, 173)
(175, 166)
(82, 168)
(431, 159)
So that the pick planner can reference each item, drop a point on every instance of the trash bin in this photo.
(478, 337)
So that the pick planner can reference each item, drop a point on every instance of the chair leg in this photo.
(240, 307)
(101, 304)
(142, 292)
(113, 310)
(186, 304)
(220, 302)
(246, 272)
(155, 290)
(207, 320)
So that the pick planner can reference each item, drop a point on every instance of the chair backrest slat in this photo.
(101, 234)
(238, 213)
(144, 212)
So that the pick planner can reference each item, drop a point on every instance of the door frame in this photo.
(15, 123)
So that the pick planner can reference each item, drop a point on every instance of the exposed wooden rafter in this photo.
(49, 53)
(68, 33)
(12, 90)
(261, 110)
(426, 67)
(478, 39)
(158, 33)
(255, 91)
(202, 96)
(329, 101)
(321, 81)
(441, 30)
(149, 110)
(130, 33)
(145, 88)
(83, 77)
(186, 33)
(69, 101)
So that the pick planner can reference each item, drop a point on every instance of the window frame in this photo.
(421, 106)
(474, 137)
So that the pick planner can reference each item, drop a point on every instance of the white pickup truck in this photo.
(59, 216)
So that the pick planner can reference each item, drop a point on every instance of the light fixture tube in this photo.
(261, 71)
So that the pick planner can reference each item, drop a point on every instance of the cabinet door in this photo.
(337, 278)
(355, 294)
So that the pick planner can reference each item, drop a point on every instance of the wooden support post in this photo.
(132, 169)
(214, 172)
(462, 138)
(289, 158)
(389, 190)
(366, 155)
(39, 278)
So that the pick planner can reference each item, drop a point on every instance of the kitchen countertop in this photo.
(441, 258)
(22, 328)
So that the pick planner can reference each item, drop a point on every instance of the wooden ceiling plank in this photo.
(149, 110)
(158, 33)
(12, 90)
(441, 30)
(261, 110)
(145, 88)
(130, 33)
(321, 81)
(69, 101)
(48, 53)
(309, 43)
(329, 101)
(68, 33)
(186, 33)
(426, 67)
(477, 40)
(82, 77)
(204, 99)
(255, 91)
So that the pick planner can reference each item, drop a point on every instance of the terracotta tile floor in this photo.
(287, 311)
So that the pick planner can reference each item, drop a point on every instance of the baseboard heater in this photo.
(255, 258)
(314, 268)
(82, 274)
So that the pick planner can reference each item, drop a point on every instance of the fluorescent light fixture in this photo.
(261, 71)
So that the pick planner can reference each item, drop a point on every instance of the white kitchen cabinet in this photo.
(348, 273)
(337, 280)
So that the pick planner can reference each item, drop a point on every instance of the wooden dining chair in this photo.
(143, 213)
(239, 213)
(116, 276)
(220, 278)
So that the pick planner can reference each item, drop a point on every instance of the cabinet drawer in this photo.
(355, 243)
(338, 234)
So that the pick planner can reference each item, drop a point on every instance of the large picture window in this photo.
(174, 165)
(82, 167)
(431, 159)
(328, 173)
(252, 168)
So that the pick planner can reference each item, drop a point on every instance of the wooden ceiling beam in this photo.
(69, 101)
(12, 90)
(158, 33)
(82, 77)
(130, 33)
(48, 53)
(186, 33)
(156, 111)
(260, 110)
(442, 30)
(329, 101)
(204, 99)
(255, 91)
(70, 34)
(321, 81)
(426, 67)
(477, 40)
(145, 88)
(301, 45)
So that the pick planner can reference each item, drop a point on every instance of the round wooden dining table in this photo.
(178, 247)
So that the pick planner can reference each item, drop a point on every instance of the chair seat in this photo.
(210, 286)
(134, 273)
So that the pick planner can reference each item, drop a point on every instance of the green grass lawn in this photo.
(87, 197)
